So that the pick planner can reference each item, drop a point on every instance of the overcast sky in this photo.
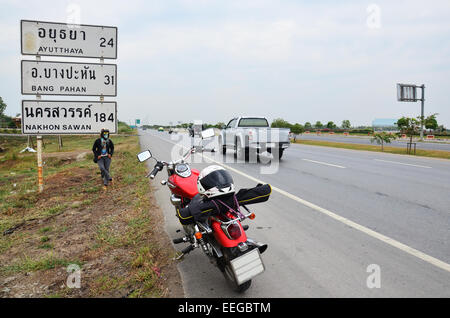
(298, 60)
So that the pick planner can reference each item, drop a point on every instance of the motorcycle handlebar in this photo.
(160, 164)
(158, 167)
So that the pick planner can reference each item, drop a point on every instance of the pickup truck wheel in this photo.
(280, 152)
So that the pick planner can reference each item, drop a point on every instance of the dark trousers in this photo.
(104, 163)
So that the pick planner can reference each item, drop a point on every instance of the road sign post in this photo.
(53, 117)
(422, 113)
(408, 93)
(39, 163)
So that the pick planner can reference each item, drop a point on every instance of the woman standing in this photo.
(103, 150)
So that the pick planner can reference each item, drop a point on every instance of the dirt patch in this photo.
(64, 156)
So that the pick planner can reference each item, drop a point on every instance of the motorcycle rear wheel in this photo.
(231, 280)
(227, 272)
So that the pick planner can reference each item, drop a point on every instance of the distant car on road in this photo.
(245, 134)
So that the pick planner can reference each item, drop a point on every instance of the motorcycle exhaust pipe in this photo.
(262, 247)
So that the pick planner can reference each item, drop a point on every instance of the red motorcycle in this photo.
(214, 225)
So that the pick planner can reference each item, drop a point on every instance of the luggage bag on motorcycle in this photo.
(199, 209)
(258, 194)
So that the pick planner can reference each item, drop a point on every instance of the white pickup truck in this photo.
(253, 134)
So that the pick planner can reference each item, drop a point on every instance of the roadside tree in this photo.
(297, 129)
(431, 123)
(409, 127)
(2, 106)
(381, 138)
(219, 125)
(346, 124)
(280, 123)
(331, 125)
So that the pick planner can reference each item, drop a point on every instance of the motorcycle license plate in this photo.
(247, 266)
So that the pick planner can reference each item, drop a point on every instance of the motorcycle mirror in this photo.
(144, 155)
(208, 133)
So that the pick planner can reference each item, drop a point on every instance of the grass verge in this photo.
(113, 235)
(376, 148)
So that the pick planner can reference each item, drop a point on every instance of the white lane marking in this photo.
(324, 163)
(405, 164)
(403, 247)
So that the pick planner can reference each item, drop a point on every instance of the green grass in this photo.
(387, 149)
(27, 264)
(45, 229)
(106, 237)
(104, 284)
(46, 246)
(54, 210)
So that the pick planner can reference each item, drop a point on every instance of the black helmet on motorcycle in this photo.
(215, 181)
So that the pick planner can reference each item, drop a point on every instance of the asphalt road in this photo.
(425, 145)
(333, 216)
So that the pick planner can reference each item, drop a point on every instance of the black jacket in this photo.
(97, 148)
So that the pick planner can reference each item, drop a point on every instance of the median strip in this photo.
(387, 149)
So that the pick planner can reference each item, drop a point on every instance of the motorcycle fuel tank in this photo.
(185, 187)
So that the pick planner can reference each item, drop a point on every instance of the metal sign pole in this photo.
(39, 161)
(39, 150)
(422, 113)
